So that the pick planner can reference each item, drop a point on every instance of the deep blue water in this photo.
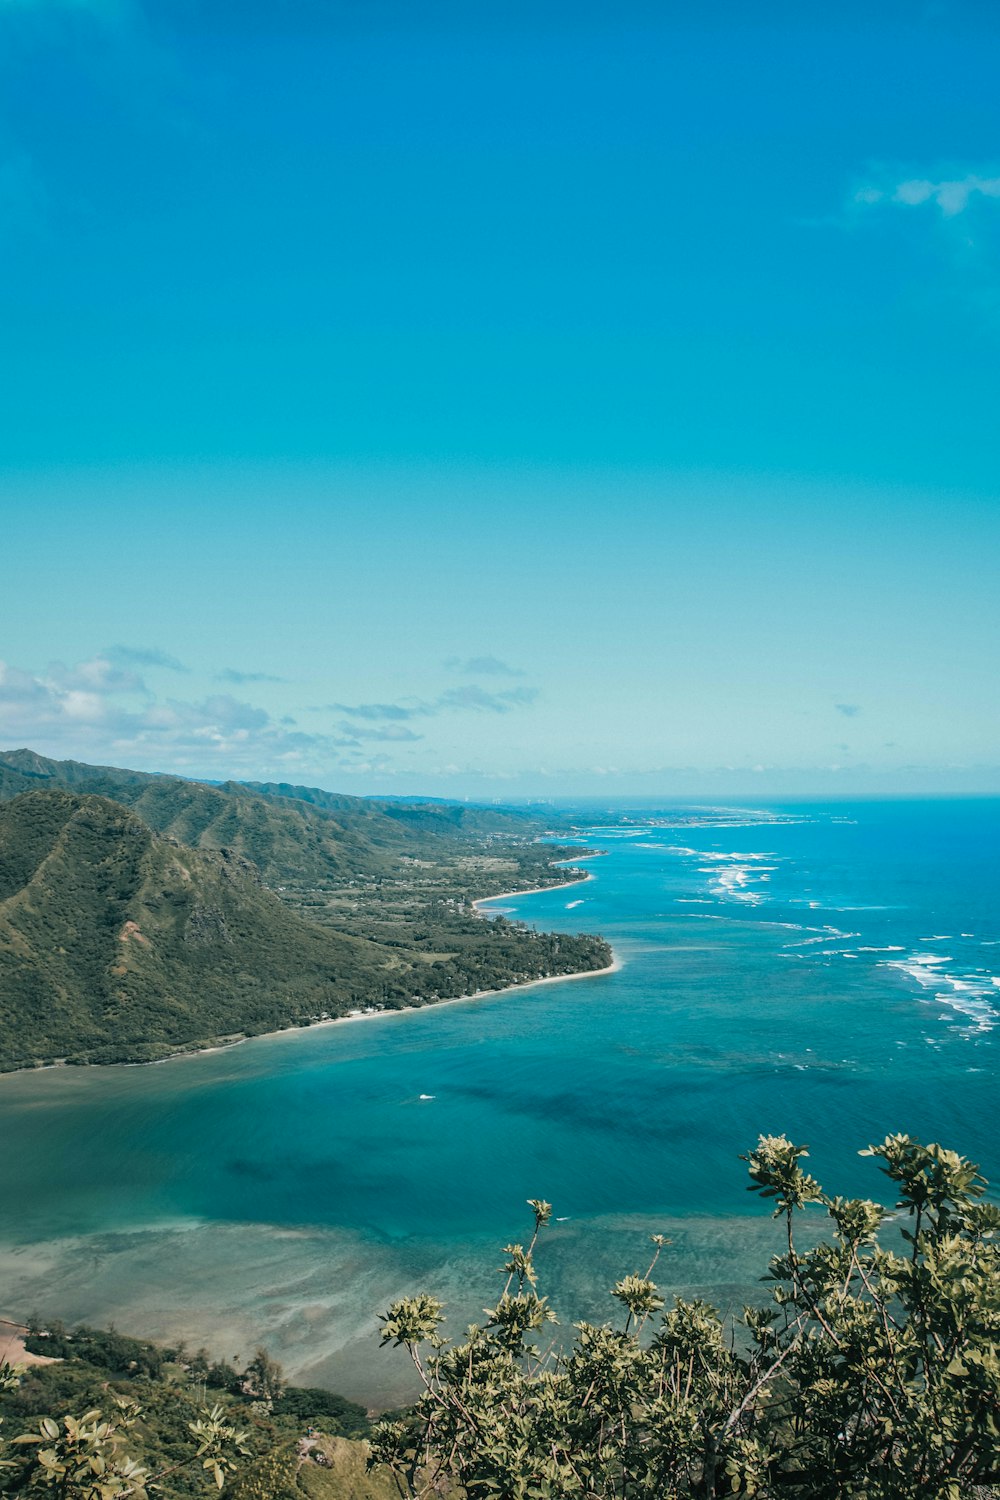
(829, 973)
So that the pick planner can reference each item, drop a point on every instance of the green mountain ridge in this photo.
(143, 914)
(436, 814)
(115, 942)
(290, 832)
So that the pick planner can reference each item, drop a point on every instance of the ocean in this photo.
(830, 971)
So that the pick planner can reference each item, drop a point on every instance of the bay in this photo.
(828, 971)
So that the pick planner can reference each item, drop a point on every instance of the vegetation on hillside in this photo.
(873, 1373)
(118, 943)
(115, 944)
(289, 832)
(116, 1416)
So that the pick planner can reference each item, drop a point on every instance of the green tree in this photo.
(264, 1377)
(872, 1373)
(84, 1458)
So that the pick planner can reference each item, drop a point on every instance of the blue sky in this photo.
(503, 400)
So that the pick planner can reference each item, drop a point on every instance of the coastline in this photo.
(536, 890)
(373, 1015)
(413, 1010)
(195, 1050)
(12, 1350)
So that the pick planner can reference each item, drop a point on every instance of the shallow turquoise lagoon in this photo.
(830, 972)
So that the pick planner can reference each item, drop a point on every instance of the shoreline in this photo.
(12, 1350)
(373, 1015)
(536, 890)
(411, 1010)
(414, 1010)
(193, 1050)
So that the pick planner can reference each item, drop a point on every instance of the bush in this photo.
(334, 1413)
(104, 1347)
(871, 1373)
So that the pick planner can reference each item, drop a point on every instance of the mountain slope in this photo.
(120, 944)
(115, 942)
(435, 816)
(292, 834)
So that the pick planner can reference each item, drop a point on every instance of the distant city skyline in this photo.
(503, 401)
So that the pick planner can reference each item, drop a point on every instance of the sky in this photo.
(503, 400)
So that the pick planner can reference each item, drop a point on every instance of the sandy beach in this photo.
(524, 984)
(390, 1014)
(12, 1350)
(611, 968)
(535, 890)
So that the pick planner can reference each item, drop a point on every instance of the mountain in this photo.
(115, 942)
(291, 833)
(136, 916)
(432, 815)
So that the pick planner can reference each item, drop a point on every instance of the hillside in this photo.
(291, 833)
(118, 943)
(407, 815)
(301, 1444)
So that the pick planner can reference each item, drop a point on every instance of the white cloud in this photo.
(470, 696)
(145, 656)
(97, 709)
(951, 195)
(230, 674)
(482, 666)
(375, 710)
(100, 709)
(386, 732)
(99, 675)
(480, 700)
(954, 217)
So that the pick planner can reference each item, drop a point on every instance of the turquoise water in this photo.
(828, 972)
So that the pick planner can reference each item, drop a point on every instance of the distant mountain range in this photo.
(289, 832)
(140, 913)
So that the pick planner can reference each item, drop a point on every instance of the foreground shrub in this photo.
(872, 1373)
